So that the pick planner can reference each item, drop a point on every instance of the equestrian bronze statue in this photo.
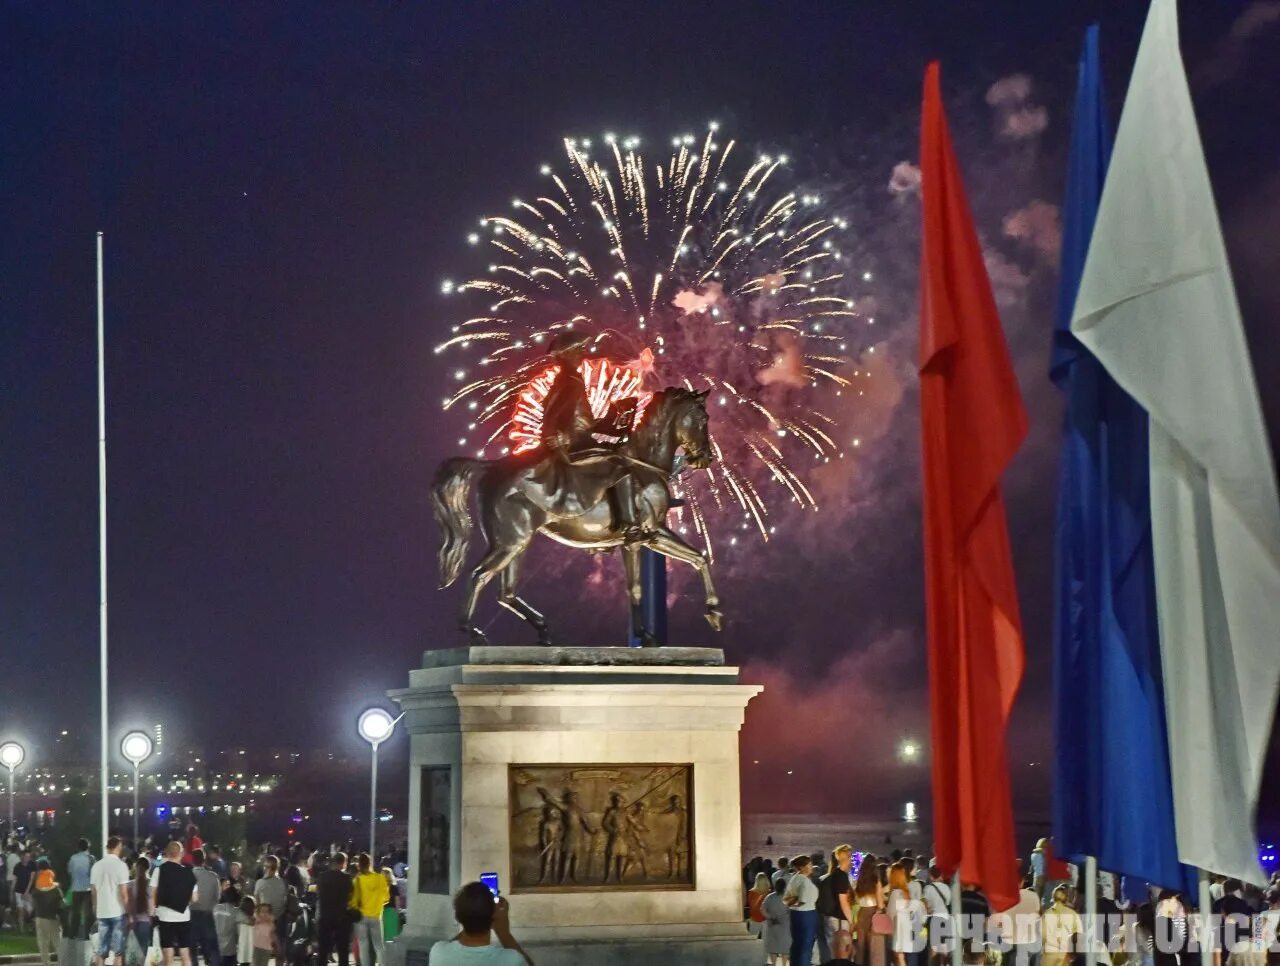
(576, 491)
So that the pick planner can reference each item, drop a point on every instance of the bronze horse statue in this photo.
(525, 494)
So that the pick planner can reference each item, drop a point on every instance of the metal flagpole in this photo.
(102, 549)
(1090, 908)
(1206, 929)
(957, 954)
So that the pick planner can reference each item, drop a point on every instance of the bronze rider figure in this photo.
(568, 425)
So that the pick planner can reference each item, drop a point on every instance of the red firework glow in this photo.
(607, 382)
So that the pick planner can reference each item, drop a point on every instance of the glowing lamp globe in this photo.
(909, 750)
(136, 747)
(375, 726)
(11, 754)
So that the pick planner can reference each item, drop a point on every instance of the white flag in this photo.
(1158, 308)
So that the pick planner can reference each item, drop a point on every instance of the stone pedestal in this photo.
(489, 724)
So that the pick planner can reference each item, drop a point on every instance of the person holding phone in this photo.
(483, 916)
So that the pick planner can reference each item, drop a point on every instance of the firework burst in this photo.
(708, 270)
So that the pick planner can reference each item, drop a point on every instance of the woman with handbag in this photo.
(872, 926)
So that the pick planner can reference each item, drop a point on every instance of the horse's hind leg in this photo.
(490, 564)
(507, 598)
(635, 595)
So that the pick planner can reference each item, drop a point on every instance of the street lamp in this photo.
(375, 726)
(11, 755)
(909, 751)
(136, 746)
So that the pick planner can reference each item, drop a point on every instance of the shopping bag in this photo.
(134, 954)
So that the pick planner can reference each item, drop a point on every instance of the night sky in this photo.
(282, 188)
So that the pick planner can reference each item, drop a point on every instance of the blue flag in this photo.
(1113, 796)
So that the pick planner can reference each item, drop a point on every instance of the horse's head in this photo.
(690, 424)
(693, 433)
(676, 419)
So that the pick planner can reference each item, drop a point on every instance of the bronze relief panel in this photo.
(594, 827)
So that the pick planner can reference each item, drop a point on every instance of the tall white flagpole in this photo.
(1206, 933)
(957, 953)
(1091, 910)
(102, 553)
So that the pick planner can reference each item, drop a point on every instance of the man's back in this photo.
(453, 953)
(371, 894)
(271, 890)
(175, 886)
(107, 875)
(78, 867)
(208, 889)
(333, 890)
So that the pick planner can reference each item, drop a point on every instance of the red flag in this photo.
(1054, 867)
(972, 421)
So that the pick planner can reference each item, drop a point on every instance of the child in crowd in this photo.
(264, 934)
(244, 932)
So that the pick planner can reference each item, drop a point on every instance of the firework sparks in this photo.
(708, 271)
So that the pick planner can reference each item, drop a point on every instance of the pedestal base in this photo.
(521, 752)
(715, 946)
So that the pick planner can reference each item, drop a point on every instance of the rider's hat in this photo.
(566, 339)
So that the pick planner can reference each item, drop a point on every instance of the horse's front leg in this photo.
(669, 544)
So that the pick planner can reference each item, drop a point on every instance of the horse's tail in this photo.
(450, 501)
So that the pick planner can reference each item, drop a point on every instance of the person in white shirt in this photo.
(108, 890)
(904, 913)
(1216, 891)
(801, 898)
(1019, 927)
(482, 917)
(936, 897)
(922, 870)
(11, 861)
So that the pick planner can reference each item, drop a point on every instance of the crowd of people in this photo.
(182, 898)
(848, 907)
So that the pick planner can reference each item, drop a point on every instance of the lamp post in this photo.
(375, 726)
(11, 755)
(136, 746)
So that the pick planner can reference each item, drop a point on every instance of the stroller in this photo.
(300, 933)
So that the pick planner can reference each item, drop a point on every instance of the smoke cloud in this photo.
(1017, 117)
(1037, 225)
(1231, 54)
(905, 179)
